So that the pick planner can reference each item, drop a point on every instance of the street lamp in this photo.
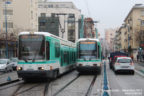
(6, 2)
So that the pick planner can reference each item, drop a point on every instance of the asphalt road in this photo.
(120, 85)
(125, 84)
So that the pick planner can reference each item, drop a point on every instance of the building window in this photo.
(8, 12)
(142, 22)
(43, 14)
(31, 14)
(71, 27)
(71, 16)
(42, 23)
(9, 25)
(50, 6)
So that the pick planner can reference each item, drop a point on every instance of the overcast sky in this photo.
(109, 13)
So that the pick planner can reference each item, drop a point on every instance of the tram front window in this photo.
(88, 50)
(31, 47)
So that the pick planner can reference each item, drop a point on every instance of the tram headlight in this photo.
(40, 68)
(19, 68)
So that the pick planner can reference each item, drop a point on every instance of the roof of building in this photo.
(136, 6)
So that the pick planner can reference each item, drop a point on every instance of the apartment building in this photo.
(16, 16)
(134, 26)
(21, 15)
(89, 30)
(110, 37)
(59, 18)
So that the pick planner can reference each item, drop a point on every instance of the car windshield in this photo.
(124, 60)
(3, 61)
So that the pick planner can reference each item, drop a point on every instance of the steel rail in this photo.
(60, 90)
(91, 86)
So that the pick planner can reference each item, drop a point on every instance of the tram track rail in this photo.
(45, 92)
(88, 93)
(65, 86)
(16, 92)
(20, 90)
(10, 82)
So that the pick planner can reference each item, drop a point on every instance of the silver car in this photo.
(5, 65)
(124, 64)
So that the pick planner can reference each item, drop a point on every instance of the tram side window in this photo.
(47, 50)
(98, 51)
(65, 57)
(57, 49)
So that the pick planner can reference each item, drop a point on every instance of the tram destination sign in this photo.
(31, 37)
(87, 42)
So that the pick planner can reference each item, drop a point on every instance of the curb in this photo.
(105, 85)
(139, 73)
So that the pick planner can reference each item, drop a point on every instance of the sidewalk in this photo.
(139, 66)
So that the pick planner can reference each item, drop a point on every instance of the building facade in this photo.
(134, 30)
(110, 38)
(59, 18)
(16, 16)
(89, 30)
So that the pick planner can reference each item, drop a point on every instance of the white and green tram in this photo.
(89, 57)
(43, 55)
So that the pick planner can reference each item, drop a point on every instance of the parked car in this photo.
(5, 65)
(14, 62)
(113, 57)
(124, 64)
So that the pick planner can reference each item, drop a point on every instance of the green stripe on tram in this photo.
(43, 62)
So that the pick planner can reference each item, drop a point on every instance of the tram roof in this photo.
(84, 39)
(43, 33)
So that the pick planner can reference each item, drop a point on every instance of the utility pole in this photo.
(6, 2)
(62, 29)
(82, 26)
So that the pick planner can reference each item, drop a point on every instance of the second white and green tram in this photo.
(89, 57)
(43, 55)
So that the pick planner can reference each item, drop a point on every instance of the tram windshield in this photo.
(31, 47)
(88, 50)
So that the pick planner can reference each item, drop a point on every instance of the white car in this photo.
(5, 65)
(14, 62)
(124, 64)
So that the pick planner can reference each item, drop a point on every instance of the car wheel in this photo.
(116, 72)
(132, 72)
